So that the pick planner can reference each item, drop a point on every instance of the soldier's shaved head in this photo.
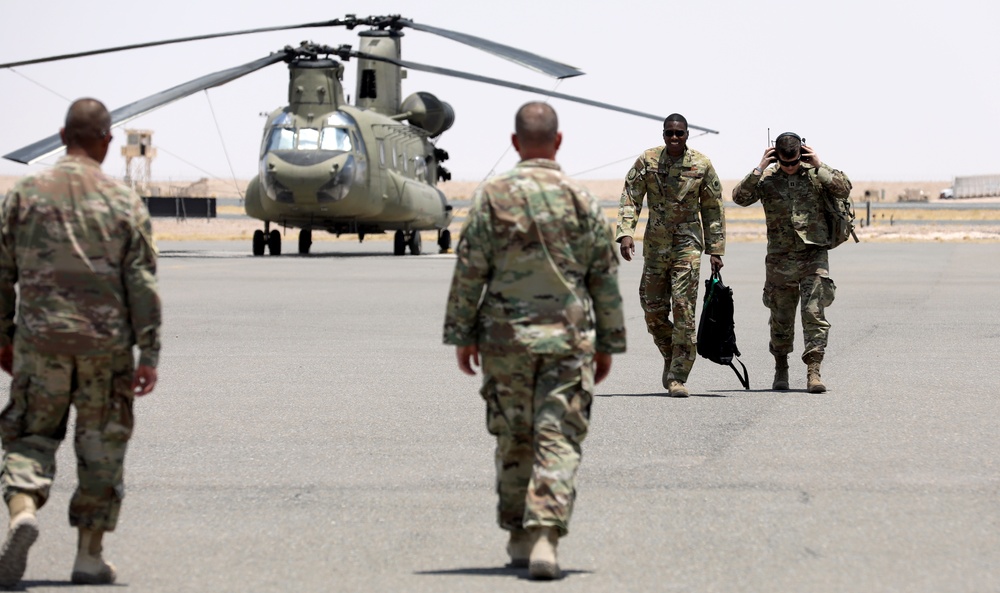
(536, 131)
(87, 131)
(536, 123)
(87, 120)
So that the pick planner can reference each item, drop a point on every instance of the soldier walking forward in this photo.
(679, 183)
(535, 294)
(797, 269)
(78, 246)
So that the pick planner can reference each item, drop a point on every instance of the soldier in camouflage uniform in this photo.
(797, 270)
(535, 292)
(679, 184)
(78, 245)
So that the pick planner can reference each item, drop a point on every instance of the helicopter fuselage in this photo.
(326, 165)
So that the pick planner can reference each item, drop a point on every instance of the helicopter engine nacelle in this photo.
(428, 113)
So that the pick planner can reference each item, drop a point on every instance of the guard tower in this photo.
(139, 153)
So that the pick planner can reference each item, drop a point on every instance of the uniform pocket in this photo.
(828, 290)
(120, 419)
(12, 417)
(495, 420)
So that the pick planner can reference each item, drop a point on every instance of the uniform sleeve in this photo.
(833, 181)
(602, 285)
(473, 268)
(8, 269)
(630, 205)
(746, 191)
(139, 270)
(713, 213)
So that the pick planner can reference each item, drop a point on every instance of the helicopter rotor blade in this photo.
(518, 56)
(521, 87)
(49, 146)
(119, 48)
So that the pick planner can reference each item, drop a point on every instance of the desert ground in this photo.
(882, 217)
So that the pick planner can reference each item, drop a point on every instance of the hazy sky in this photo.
(884, 90)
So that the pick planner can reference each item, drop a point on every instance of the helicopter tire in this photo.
(444, 240)
(415, 243)
(399, 243)
(274, 243)
(258, 242)
(305, 241)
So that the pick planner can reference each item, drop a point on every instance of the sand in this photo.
(923, 222)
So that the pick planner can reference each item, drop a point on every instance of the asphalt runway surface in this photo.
(311, 433)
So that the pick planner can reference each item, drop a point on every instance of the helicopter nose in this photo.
(308, 177)
(342, 171)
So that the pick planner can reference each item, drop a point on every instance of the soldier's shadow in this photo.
(28, 585)
(494, 571)
(659, 394)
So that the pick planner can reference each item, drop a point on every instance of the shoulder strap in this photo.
(745, 377)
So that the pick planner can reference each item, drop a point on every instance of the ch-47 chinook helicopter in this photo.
(327, 165)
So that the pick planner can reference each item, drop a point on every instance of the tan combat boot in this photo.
(543, 564)
(90, 568)
(22, 533)
(519, 548)
(677, 389)
(780, 373)
(813, 383)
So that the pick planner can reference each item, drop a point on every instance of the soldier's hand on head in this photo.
(7, 359)
(627, 248)
(809, 156)
(716, 263)
(602, 366)
(468, 356)
(770, 156)
(144, 380)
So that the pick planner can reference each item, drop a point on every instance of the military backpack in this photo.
(839, 214)
(717, 328)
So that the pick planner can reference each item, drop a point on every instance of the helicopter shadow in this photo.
(210, 254)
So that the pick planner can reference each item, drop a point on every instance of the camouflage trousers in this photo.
(672, 286)
(799, 278)
(34, 423)
(538, 407)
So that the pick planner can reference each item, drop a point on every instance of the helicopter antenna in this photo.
(222, 141)
(40, 85)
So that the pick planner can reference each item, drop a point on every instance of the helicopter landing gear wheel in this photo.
(305, 241)
(399, 243)
(274, 242)
(414, 243)
(444, 240)
(258, 242)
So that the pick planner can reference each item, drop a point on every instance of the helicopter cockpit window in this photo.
(329, 138)
(336, 139)
(308, 138)
(281, 139)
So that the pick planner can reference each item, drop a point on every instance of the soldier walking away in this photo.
(78, 246)
(535, 294)
(686, 218)
(795, 194)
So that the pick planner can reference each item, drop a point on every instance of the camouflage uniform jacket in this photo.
(79, 246)
(536, 269)
(794, 205)
(677, 192)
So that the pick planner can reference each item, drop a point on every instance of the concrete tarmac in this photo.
(311, 433)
